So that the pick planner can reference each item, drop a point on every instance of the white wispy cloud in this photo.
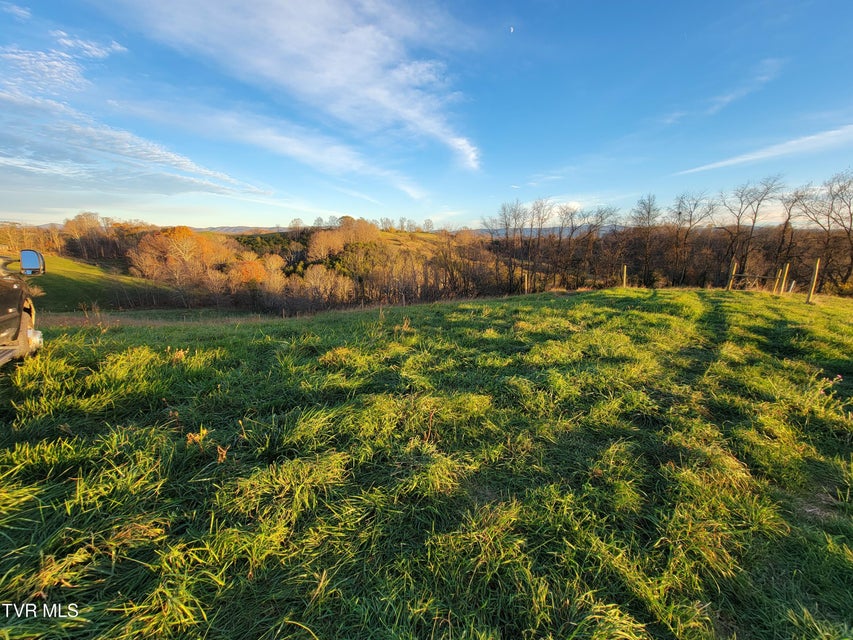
(362, 75)
(544, 178)
(53, 72)
(842, 136)
(275, 135)
(42, 72)
(351, 60)
(18, 12)
(356, 194)
(43, 139)
(766, 71)
(17, 101)
(87, 48)
(672, 117)
(23, 173)
(40, 167)
(46, 142)
(127, 145)
(312, 149)
(762, 74)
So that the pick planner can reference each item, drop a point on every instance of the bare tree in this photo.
(644, 217)
(794, 203)
(839, 190)
(687, 212)
(512, 217)
(85, 230)
(746, 203)
(506, 229)
(540, 212)
(576, 244)
(325, 243)
(563, 244)
(593, 224)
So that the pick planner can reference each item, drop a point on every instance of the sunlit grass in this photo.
(617, 464)
(70, 285)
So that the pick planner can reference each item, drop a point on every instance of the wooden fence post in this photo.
(814, 281)
(732, 276)
(784, 277)
(776, 281)
(624, 275)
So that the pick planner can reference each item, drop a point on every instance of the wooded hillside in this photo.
(760, 227)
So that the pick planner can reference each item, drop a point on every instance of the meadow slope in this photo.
(613, 464)
(71, 285)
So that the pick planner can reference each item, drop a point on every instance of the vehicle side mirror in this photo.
(32, 263)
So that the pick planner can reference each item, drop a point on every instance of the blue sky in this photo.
(236, 112)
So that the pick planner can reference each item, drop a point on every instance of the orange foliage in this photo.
(252, 272)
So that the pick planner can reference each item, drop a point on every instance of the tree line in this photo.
(754, 229)
(696, 240)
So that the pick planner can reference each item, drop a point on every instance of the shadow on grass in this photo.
(64, 293)
(471, 485)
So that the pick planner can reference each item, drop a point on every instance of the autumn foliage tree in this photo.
(92, 237)
(193, 264)
(330, 242)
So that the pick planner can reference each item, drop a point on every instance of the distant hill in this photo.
(237, 231)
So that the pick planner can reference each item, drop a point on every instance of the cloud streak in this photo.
(767, 71)
(44, 135)
(807, 144)
(54, 72)
(126, 145)
(45, 142)
(314, 150)
(274, 135)
(350, 60)
(18, 12)
(41, 72)
(87, 48)
(42, 139)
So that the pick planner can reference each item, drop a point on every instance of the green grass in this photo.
(616, 464)
(69, 285)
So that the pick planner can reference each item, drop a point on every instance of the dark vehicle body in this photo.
(18, 336)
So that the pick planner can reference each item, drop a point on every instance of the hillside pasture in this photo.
(71, 285)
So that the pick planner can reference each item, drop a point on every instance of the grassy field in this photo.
(615, 464)
(70, 285)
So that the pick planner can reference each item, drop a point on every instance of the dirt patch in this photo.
(820, 506)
